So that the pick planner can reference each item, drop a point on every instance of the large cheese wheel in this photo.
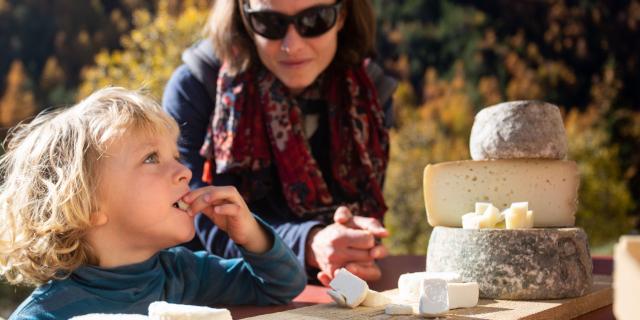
(451, 189)
(522, 264)
(517, 130)
(626, 278)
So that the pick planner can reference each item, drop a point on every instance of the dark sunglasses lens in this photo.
(270, 25)
(316, 22)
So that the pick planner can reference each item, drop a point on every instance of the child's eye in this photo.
(151, 158)
(179, 158)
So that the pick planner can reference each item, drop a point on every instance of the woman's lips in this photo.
(294, 63)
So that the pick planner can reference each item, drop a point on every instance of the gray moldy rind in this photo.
(518, 130)
(521, 264)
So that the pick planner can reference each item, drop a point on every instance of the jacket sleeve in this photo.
(274, 277)
(188, 102)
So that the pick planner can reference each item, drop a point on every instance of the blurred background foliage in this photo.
(452, 57)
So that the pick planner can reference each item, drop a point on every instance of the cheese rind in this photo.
(550, 187)
(521, 264)
(518, 129)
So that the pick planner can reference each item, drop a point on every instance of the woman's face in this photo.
(295, 60)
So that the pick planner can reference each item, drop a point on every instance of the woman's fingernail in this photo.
(207, 197)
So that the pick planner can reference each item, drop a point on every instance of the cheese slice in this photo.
(434, 297)
(161, 310)
(409, 284)
(353, 289)
(550, 187)
(626, 278)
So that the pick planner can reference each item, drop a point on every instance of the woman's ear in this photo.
(98, 219)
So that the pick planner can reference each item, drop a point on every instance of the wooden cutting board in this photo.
(601, 295)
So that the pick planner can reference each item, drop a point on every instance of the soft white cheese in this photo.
(375, 299)
(434, 297)
(110, 316)
(337, 297)
(350, 286)
(396, 309)
(409, 284)
(161, 310)
(463, 295)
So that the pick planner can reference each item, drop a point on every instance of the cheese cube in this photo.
(434, 297)
(481, 207)
(409, 284)
(351, 287)
(337, 297)
(550, 187)
(463, 295)
(375, 299)
(626, 278)
(161, 310)
(110, 316)
(518, 216)
(471, 220)
(490, 217)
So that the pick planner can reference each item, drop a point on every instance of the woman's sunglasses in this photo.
(310, 22)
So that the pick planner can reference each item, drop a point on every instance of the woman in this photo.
(280, 102)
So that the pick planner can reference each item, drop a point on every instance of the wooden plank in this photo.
(600, 296)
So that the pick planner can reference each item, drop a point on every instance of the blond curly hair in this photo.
(49, 170)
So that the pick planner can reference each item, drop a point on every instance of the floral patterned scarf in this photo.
(257, 123)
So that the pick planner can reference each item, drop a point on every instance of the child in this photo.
(91, 199)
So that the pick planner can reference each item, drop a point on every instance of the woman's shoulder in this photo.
(385, 84)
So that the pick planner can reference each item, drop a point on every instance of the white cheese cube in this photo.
(518, 216)
(375, 299)
(409, 284)
(161, 310)
(337, 297)
(550, 187)
(434, 297)
(482, 206)
(471, 220)
(396, 309)
(490, 217)
(463, 295)
(351, 287)
(110, 316)
(519, 208)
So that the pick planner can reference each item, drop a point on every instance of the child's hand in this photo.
(226, 208)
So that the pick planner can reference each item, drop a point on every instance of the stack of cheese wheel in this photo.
(518, 151)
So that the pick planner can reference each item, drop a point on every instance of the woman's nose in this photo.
(292, 41)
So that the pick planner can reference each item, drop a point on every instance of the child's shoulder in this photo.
(40, 303)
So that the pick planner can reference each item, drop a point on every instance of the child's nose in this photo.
(183, 174)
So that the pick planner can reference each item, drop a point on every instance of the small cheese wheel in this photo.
(518, 130)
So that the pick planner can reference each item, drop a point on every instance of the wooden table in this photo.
(392, 267)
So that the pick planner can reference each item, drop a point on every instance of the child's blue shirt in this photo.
(176, 275)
